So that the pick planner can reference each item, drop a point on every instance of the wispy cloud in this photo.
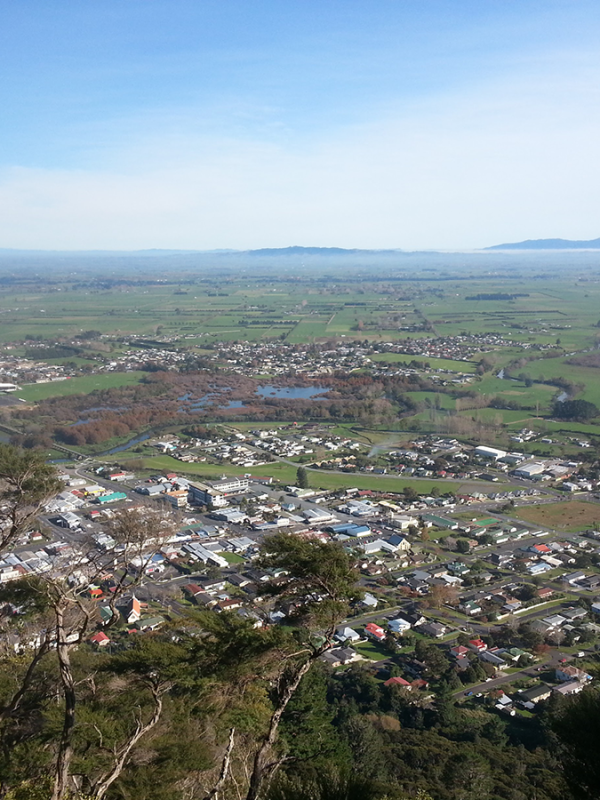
(504, 159)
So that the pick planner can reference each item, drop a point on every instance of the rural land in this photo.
(303, 523)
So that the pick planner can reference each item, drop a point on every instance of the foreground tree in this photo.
(317, 583)
(576, 723)
(61, 617)
(26, 484)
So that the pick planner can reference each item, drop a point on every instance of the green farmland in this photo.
(83, 385)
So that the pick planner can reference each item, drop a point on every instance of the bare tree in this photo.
(69, 614)
(138, 534)
(122, 753)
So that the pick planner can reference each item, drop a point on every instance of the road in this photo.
(555, 658)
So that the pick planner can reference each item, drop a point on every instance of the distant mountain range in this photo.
(549, 244)
(264, 251)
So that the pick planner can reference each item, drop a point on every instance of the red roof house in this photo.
(100, 639)
(375, 631)
(399, 682)
(478, 645)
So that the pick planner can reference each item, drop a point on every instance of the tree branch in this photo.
(65, 747)
(214, 792)
(11, 707)
(106, 780)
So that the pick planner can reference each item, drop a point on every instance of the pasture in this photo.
(78, 385)
(571, 516)
(318, 479)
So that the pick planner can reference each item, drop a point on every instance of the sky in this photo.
(208, 124)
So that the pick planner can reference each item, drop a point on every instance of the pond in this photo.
(291, 392)
(216, 399)
(210, 399)
(85, 419)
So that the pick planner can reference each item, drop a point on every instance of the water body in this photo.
(562, 397)
(501, 374)
(210, 399)
(141, 438)
(214, 399)
(88, 411)
(292, 392)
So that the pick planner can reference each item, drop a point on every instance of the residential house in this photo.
(537, 694)
(568, 673)
(414, 618)
(205, 599)
(100, 639)
(511, 605)
(459, 651)
(235, 579)
(345, 634)
(401, 682)
(510, 654)
(573, 614)
(211, 585)
(573, 577)
(501, 559)
(228, 604)
(339, 656)
(545, 593)
(149, 623)
(106, 614)
(375, 632)
(434, 629)
(398, 625)
(554, 621)
(492, 658)
(570, 688)
(418, 586)
(539, 568)
(470, 607)
(458, 569)
(368, 601)
(477, 645)
(540, 626)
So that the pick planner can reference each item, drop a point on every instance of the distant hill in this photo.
(313, 251)
(549, 244)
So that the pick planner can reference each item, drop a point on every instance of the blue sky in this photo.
(249, 123)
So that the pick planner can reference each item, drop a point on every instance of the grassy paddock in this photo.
(571, 516)
(83, 385)
(286, 474)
